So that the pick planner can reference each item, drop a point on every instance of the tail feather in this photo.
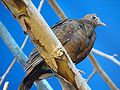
(37, 72)
(27, 83)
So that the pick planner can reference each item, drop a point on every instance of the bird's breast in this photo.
(76, 39)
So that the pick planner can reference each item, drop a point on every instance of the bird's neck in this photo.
(92, 24)
(89, 26)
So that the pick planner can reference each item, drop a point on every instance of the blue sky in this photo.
(108, 39)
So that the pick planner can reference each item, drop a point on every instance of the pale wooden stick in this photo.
(6, 85)
(40, 5)
(13, 62)
(57, 9)
(24, 42)
(112, 58)
(102, 73)
(91, 75)
(7, 71)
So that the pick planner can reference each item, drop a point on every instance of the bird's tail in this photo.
(26, 84)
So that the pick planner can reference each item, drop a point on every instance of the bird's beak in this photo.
(101, 23)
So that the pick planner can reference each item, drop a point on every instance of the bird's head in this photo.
(94, 19)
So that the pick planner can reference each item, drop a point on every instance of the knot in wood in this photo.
(58, 52)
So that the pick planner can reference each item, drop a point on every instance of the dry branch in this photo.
(12, 63)
(6, 86)
(7, 71)
(46, 42)
(112, 58)
(12, 45)
(40, 5)
(91, 75)
(102, 73)
(57, 9)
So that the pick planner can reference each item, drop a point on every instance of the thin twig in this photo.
(91, 75)
(13, 62)
(24, 42)
(101, 72)
(7, 71)
(40, 5)
(57, 9)
(6, 86)
(112, 58)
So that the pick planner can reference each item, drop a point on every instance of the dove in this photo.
(76, 35)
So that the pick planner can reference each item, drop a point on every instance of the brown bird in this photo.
(76, 35)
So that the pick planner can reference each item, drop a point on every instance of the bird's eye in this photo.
(93, 17)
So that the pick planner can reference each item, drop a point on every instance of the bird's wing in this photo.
(35, 74)
(58, 24)
(36, 69)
